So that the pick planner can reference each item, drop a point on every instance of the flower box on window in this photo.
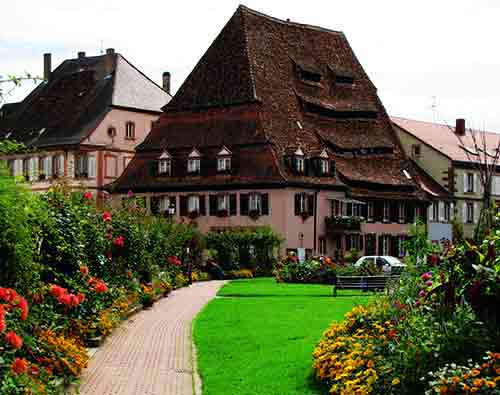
(193, 214)
(223, 213)
(336, 224)
(254, 214)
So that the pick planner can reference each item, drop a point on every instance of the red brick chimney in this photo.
(460, 127)
(47, 66)
(166, 82)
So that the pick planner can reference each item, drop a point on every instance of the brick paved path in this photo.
(151, 353)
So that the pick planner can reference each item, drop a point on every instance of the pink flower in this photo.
(429, 283)
(81, 297)
(100, 287)
(426, 276)
(417, 303)
(57, 291)
(422, 294)
(87, 195)
(130, 194)
(106, 216)
(173, 260)
(119, 241)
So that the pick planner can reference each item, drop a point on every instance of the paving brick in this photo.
(151, 353)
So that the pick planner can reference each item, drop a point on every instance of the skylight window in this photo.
(309, 76)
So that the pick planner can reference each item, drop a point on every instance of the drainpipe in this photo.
(315, 221)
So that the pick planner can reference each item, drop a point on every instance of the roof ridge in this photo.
(247, 53)
(290, 23)
(444, 125)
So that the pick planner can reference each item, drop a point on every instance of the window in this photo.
(18, 167)
(401, 245)
(384, 244)
(370, 212)
(165, 167)
(470, 213)
(415, 151)
(301, 203)
(447, 211)
(164, 203)
(85, 166)
(46, 165)
(222, 202)
(434, 212)
(386, 212)
(255, 202)
(58, 165)
(130, 130)
(324, 166)
(111, 132)
(111, 166)
(26, 168)
(193, 203)
(344, 79)
(353, 242)
(299, 164)
(469, 182)
(401, 212)
(322, 246)
(308, 75)
(193, 165)
(224, 164)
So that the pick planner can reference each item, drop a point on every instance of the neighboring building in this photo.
(83, 121)
(437, 149)
(278, 124)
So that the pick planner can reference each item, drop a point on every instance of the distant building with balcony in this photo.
(278, 124)
(83, 122)
(447, 154)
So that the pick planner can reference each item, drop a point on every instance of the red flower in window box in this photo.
(304, 215)
(87, 195)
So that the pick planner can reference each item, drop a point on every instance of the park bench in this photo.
(364, 283)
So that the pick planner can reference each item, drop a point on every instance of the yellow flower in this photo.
(475, 372)
(395, 381)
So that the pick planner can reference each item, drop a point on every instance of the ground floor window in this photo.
(322, 246)
(354, 242)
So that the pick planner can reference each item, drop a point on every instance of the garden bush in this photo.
(255, 250)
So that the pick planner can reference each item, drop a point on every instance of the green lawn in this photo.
(258, 337)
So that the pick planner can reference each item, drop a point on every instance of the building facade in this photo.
(278, 124)
(83, 122)
(441, 151)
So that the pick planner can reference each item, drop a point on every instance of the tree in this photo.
(485, 160)
(10, 82)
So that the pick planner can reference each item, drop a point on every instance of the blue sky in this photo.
(417, 53)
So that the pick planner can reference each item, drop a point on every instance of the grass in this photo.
(258, 337)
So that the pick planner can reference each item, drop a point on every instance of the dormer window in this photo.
(165, 164)
(299, 161)
(194, 162)
(224, 160)
(324, 163)
(309, 75)
(344, 79)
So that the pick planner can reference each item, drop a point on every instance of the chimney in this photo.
(81, 55)
(166, 82)
(109, 60)
(460, 127)
(47, 66)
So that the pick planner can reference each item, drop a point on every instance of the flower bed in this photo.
(72, 271)
(429, 336)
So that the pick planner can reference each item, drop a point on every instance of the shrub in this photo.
(236, 274)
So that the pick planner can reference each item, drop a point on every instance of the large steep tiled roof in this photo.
(443, 138)
(78, 94)
(253, 66)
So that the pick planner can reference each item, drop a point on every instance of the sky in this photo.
(430, 60)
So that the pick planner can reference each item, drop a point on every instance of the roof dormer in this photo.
(165, 164)
(224, 160)
(194, 162)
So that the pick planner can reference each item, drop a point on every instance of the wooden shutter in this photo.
(410, 212)
(333, 168)
(378, 210)
(212, 205)
(244, 204)
(297, 204)
(393, 211)
(183, 203)
(232, 204)
(310, 204)
(154, 168)
(203, 208)
(265, 204)
(361, 242)
(380, 245)
(92, 170)
(394, 246)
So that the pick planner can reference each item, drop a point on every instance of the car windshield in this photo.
(392, 260)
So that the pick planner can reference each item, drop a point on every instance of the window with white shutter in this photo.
(92, 166)
(18, 167)
(464, 212)
(441, 211)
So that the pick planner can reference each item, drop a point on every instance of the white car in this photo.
(388, 264)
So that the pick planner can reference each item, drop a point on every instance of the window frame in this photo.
(129, 130)
(165, 166)
(386, 213)
(470, 212)
(193, 203)
(194, 165)
(223, 202)
(469, 187)
(255, 202)
(223, 163)
(300, 164)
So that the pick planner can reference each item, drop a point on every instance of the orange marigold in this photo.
(19, 366)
